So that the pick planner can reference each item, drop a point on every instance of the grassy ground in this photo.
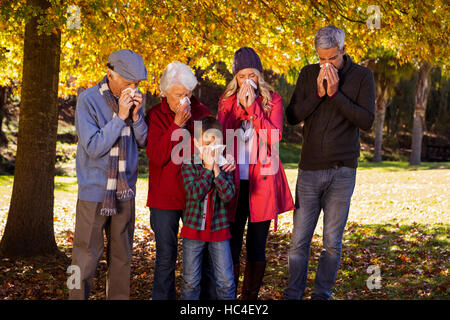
(399, 221)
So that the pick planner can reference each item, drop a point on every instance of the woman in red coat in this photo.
(166, 194)
(254, 113)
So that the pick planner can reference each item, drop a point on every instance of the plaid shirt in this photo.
(198, 181)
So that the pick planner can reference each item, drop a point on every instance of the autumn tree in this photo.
(29, 228)
(195, 32)
(387, 73)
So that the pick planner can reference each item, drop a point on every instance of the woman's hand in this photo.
(246, 95)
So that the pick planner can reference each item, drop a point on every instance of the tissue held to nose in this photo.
(132, 91)
(327, 65)
(252, 83)
(185, 99)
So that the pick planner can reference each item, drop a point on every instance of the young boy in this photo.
(205, 222)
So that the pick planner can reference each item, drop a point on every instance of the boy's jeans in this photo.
(192, 268)
(330, 190)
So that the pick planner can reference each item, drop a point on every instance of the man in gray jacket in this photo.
(335, 98)
(110, 126)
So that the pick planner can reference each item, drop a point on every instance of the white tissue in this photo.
(252, 83)
(185, 99)
(326, 65)
(221, 161)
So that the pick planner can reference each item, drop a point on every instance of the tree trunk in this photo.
(420, 107)
(380, 113)
(29, 228)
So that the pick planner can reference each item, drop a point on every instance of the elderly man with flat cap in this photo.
(110, 125)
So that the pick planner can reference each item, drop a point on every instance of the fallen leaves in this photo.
(401, 228)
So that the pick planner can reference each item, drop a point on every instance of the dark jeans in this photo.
(257, 232)
(165, 224)
(330, 190)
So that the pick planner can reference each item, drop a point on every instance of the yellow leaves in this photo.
(205, 32)
(216, 77)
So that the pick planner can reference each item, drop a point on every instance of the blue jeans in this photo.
(330, 190)
(220, 253)
(164, 224)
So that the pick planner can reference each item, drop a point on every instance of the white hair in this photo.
(177, 73)
(329, 37)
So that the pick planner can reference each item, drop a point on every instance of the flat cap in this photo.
(128, 64)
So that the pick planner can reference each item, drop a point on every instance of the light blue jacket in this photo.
(97, 132)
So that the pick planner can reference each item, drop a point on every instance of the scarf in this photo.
(117, 186)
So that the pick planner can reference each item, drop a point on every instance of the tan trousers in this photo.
(88, 247)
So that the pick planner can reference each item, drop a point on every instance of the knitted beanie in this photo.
(244, 58)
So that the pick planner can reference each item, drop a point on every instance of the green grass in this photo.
(402, 166)
(413, 261)
(6, 180)
(66, 128)
(290, 156)
(289, 153)
(62, 184)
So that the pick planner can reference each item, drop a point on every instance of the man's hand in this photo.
(125, 104)
(332, 80)
(137, 105)
(183, 114)
(321, 90)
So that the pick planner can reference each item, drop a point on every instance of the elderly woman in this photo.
(166, 194)
(251, 107)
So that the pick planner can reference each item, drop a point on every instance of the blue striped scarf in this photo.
(117, 186)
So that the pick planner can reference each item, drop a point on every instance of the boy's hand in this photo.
(230, 166)
(216, 169)
(208, 157)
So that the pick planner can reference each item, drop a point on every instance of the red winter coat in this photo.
(165, 183)
(269, 193)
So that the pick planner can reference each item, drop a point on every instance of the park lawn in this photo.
(399, 222)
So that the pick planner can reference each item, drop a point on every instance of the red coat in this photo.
(269, 193)
(165, 183)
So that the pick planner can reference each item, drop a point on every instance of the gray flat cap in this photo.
(128, 64)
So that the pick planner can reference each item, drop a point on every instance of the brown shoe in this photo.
(253, 276)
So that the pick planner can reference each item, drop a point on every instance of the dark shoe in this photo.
(319, 297)
(253, 276)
